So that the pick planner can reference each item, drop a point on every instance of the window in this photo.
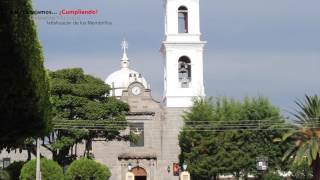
(6, 162)
(184, 70)
(183, 19)
(137, 129)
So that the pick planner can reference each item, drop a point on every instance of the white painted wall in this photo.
(177, 45)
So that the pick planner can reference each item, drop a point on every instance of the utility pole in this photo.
(38, 172)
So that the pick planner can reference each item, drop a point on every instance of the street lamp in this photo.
(184, 166)
(129, 166)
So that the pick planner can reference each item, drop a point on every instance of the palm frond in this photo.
(308, 112)
(307, 137)
(301, 153)
(289, 153)
(314, 147)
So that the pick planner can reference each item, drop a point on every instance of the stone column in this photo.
(185, 175)
(129, 176)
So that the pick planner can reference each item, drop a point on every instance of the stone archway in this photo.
(139, 173)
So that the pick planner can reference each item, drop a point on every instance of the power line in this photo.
(210, 125)
(187, 121)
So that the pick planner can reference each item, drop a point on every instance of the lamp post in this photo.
(129, 174)
(184, 175)
(38, 171)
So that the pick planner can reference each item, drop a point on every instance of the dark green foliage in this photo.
(50, 170)
(271, 175)
(24, 92)
(223, 136)
(14, 169)
(4, 175)
(84, 169)
(77, 97)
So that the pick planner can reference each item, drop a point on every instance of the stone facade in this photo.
(160, 150)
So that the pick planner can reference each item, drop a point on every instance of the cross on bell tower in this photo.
(183, 53)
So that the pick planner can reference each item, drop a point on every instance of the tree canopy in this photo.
(24, 93)
(76, 98)
(224, 136)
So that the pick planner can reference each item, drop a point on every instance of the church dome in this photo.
(121, 79)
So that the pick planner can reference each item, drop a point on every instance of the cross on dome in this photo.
(125, 59)
(124, 45)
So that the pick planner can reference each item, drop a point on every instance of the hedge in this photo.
(84, 169)
(50, 170)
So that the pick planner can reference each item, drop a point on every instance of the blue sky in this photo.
(264, 47)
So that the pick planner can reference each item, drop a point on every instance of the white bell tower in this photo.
(183, 53)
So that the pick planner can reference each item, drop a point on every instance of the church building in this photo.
(156, 123)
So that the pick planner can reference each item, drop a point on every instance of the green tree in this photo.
(306, 136)
(24, 92)
(84, 169)
(50, 170)
(80, 98)
(224, 136)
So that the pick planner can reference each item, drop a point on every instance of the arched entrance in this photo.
(139, 173)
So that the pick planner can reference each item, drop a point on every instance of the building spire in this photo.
(125, 59)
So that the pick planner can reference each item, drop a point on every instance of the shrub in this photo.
(4, 175)
(50, 170)
(271, 175)
(14, 169)
(84, 169)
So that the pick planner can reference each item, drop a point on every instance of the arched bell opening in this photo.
(183, 19)
(184, 70)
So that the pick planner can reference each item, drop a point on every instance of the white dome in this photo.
(121, 79)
